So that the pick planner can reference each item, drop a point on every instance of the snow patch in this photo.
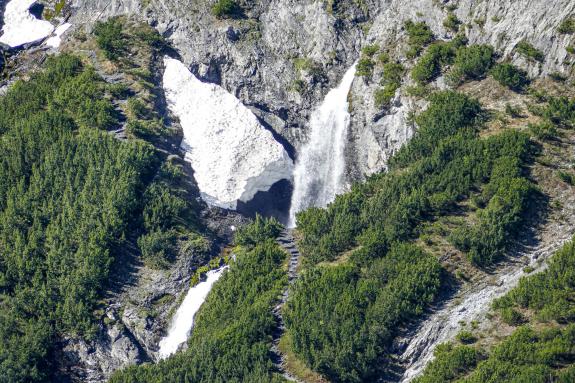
(56, 40)
(232, 155)
(21, 27)
(183, 320)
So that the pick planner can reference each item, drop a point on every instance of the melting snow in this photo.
(20, 26)
(55, 40)
(232, 155)
(183, 320)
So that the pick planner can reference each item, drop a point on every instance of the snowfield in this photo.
(21, 27)
(232, 154)
(56, 40)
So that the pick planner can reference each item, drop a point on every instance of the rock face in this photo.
(279, 60)
(232, 155)
(20, 26)
(377, 133)
(283, 56)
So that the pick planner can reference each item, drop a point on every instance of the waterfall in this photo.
(183, 320)
(319, 170)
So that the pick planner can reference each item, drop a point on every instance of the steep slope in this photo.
(280, 58)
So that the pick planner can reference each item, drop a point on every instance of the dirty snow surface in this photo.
(232, 154)
(56, 40)
(21, 27)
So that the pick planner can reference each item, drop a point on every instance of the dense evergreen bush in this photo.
(418, 36)
(391, 81)
(510, 76)
(158, 248)
(451, 362)
(527, 50)
(428, 67)
(567, 26)
(226, 9)
(110, 38)
(437, 56)
(365, 67)
(448, 113)
(258, 231)
(560, 111)
(68, 199)
(342, 318)
(471, 63)
(451, 22)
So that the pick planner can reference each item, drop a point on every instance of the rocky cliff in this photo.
(281, 57)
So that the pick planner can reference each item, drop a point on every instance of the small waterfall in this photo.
(319, 171)
(183, 320)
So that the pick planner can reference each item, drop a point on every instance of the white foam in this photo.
(21, 27)
(183, 320)
(56, 40)
(319, 171)
(232, 154)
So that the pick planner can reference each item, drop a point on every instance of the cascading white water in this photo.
(183, 320)
(319, 170)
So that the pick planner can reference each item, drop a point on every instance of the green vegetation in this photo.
(512, 317)
(509, 194)
(451, 362)
(530, 354)
(527, 50)
(370, 50)
(449, 113)
(471, 63)
(513, 111)
(510, 76)
(466, 337)
(468, 62)
(567, 26)
(110, 38)
(568, 178)
(231, 339)
(443, 162)
(77, 204)
(428, 67)
(68, 198)
(451, 22)
(304, 64)
(365, 67)
(560, 111)
(544, 130)
(359, 256)
(342, 318)
(558, 76)
(549, 293)
(226, 9)
(258, 231)
(391, 81)
(419, 35)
